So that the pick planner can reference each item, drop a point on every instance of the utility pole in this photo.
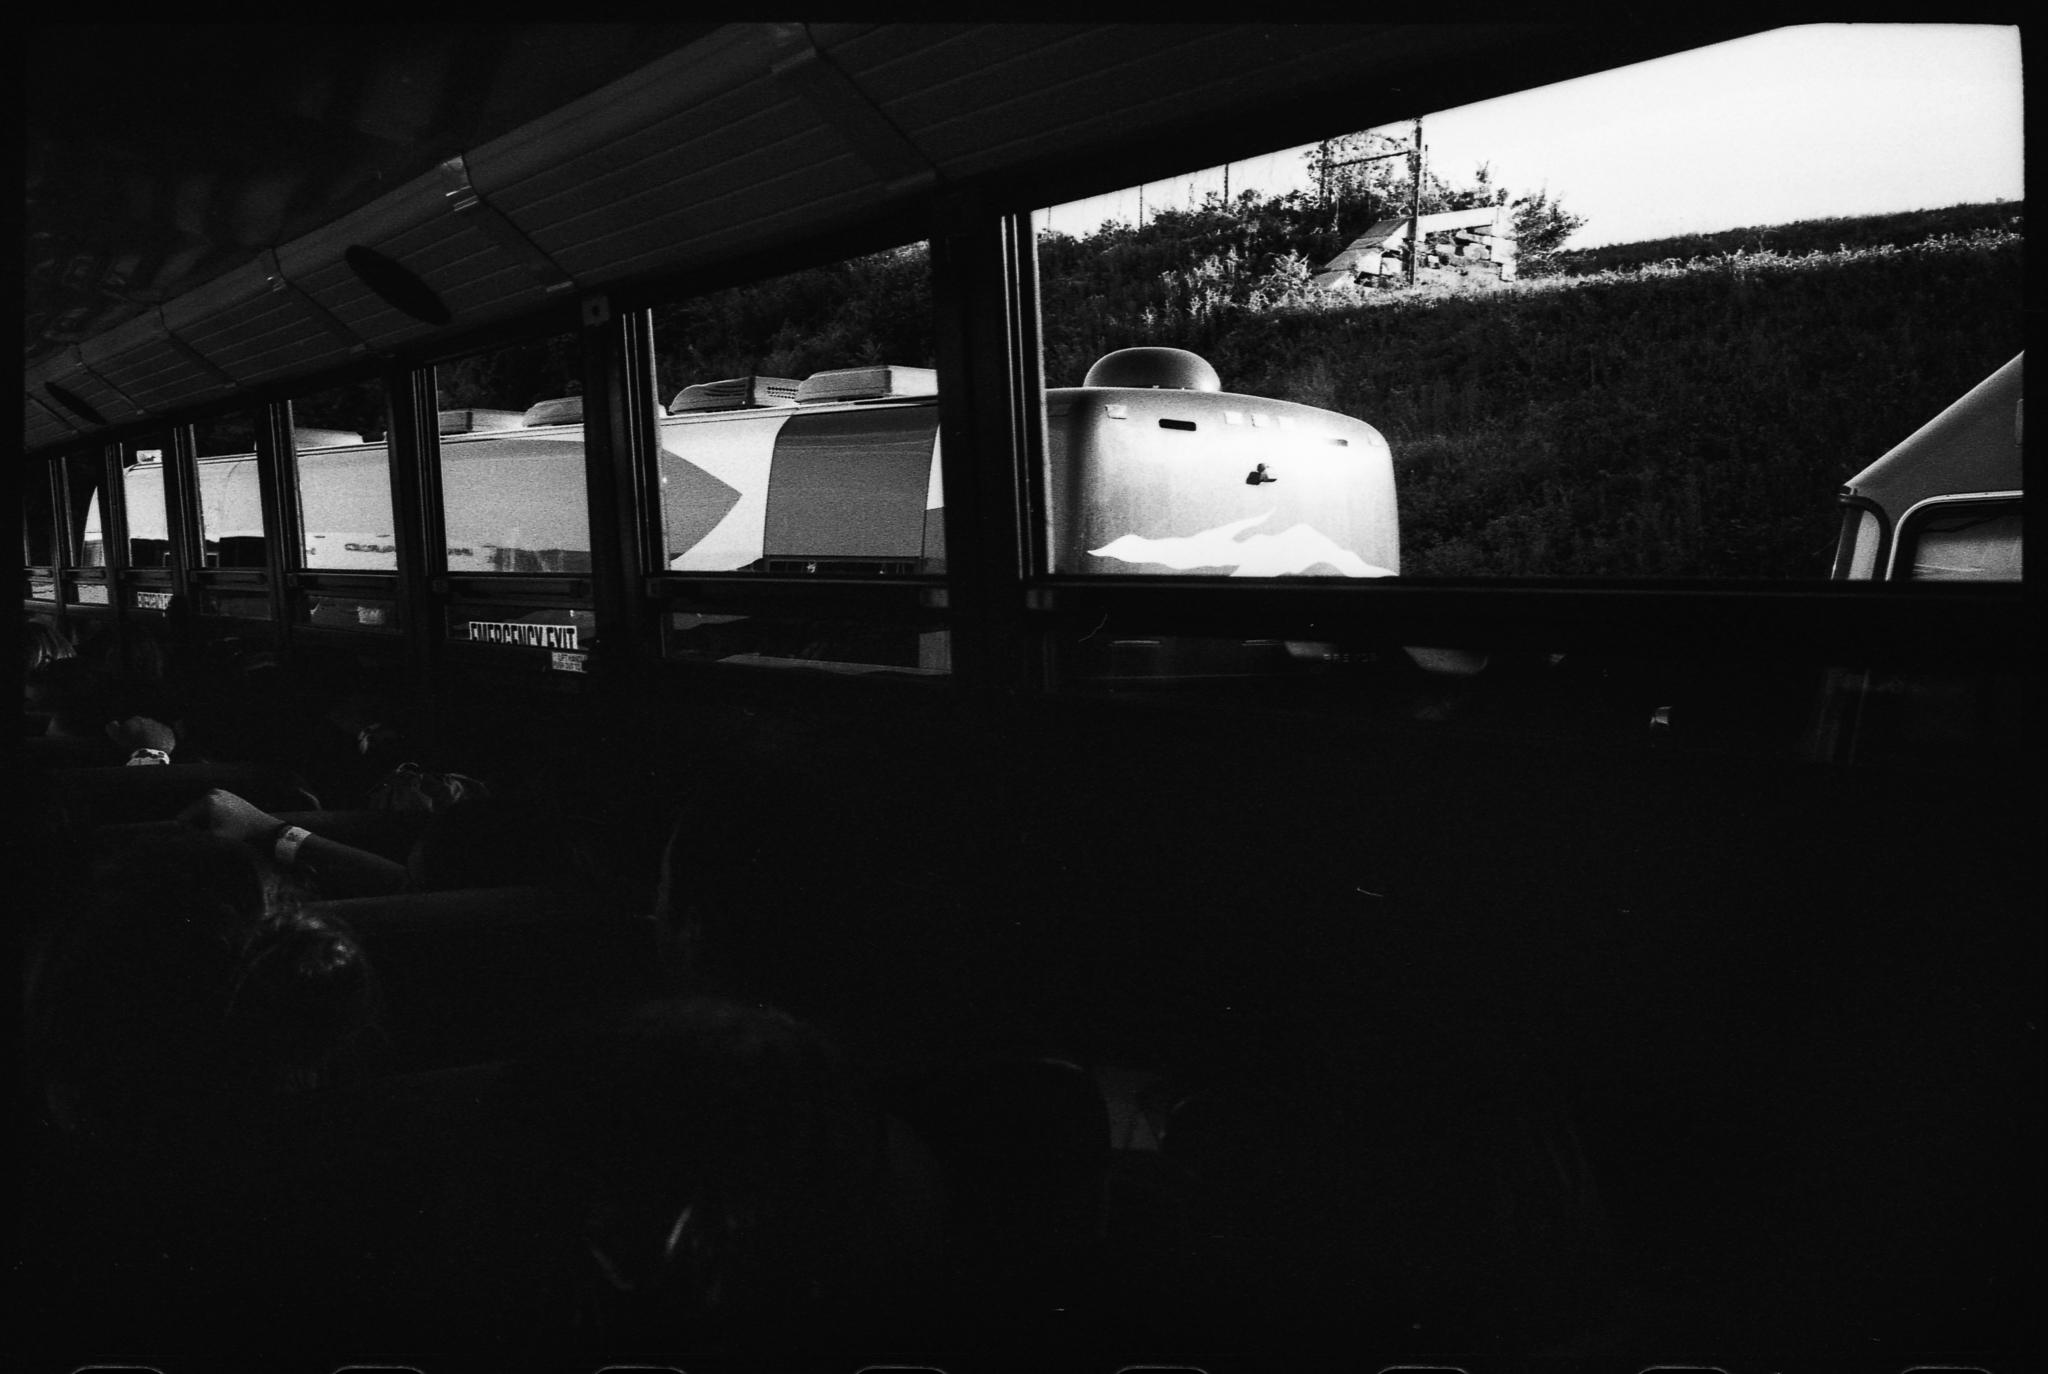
(1415, 204)
(1226, 183)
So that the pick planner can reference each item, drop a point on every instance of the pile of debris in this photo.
(1476, 243)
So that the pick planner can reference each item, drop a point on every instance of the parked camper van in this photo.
(1944, 505)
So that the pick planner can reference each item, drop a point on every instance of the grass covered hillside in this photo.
(1900, 230)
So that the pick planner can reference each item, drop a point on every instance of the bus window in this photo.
(1538, 418)
(38, 531)
(84, 475)
(800, 439)
(344, 481)
(799, 431)
(512, 480)
(1953, 543)
(143, 501)
(231, 530)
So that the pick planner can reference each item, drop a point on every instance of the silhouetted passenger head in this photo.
(79, 695)
(302, 1012)
(176, 990)
(42, 646)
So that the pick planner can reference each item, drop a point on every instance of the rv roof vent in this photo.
(1170, 369)
(867, 384)
(324, 438)
(471, 421)
(563, 410)
(735, 393)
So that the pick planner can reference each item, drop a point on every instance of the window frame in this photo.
(1916, 516)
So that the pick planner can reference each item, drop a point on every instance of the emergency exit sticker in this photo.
(530, 636)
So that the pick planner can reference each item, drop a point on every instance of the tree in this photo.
(1541, 227)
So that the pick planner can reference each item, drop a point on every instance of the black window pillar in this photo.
(991, 409)
(277, 477)
(621, 444)
(412, 431)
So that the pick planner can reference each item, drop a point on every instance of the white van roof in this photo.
(1972, 446)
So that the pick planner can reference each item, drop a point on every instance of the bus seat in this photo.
(487, 973)
(115, 796)
(1024, 1149)
(41, 750)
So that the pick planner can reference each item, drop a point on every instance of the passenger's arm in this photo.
(339, 870)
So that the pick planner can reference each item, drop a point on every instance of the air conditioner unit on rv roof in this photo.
(735, 393)
(563, 410)
(470, 421)
(324, 438)
(867, 384)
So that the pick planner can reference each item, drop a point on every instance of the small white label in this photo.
(529, 636)
(152, 601)
(570, 663)
(370, 615)
(91, 594)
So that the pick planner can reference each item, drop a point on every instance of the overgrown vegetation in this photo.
(1901, 230)
(876, 309)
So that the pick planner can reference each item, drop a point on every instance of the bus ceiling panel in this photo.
(1122, 85)
(406, 227)
(68, 379)
(256, 331)
(895, 61)
(719, 174)
(142, 360)
(732, 211)
(43, 424)
(728, 59)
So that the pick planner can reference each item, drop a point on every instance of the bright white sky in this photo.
(1799, 123)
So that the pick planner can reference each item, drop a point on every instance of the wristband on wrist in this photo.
(285, 848)
(146, 757)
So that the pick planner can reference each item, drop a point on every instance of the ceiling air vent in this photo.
(563, 410)
(867, 384)
(735, 393)
(396, 286)
(74, 403)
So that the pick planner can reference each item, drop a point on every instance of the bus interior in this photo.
(558, 840)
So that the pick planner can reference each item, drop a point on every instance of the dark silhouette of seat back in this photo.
(486, 973)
